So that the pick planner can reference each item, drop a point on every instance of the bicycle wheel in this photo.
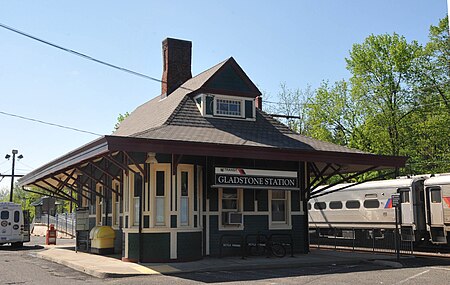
(278, 250)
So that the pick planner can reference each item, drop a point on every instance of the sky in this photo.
(298, 43)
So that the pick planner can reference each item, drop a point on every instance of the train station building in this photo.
(198, 167)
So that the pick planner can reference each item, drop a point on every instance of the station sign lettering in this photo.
(255, 178)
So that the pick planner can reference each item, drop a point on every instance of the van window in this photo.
(335, 205)
(16, 216)
(4, 215)
(371, 203)
(352, 204)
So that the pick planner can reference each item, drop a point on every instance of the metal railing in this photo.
(64, 223)
(374, 240)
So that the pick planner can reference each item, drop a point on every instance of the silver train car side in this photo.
(368, 207)
(437, 202)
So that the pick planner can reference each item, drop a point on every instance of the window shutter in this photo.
(248, 109)
(209, 105)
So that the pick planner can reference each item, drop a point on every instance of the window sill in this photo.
(226, 228)
(280, 227)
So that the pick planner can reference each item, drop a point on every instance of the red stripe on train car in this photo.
(447, 201)
(388, 204)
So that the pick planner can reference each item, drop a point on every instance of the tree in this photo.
(382, 82)
(293, 105)
(429, 146)
(331, 113)
(435, 65)
(120, 119)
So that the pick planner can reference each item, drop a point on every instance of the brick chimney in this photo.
(258, 102)
(177, 55)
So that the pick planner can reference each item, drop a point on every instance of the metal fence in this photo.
(64, 223)
(374, 240)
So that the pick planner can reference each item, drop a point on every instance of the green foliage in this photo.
(331, 114)
(382, 71)
(21, 197)
(120, 119)
(396, 102)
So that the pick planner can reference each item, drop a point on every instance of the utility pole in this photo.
(14, 152)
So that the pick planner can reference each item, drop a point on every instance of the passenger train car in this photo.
(367, 208)
(437, 202)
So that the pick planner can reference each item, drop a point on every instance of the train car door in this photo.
(406, 206)
(436, 210)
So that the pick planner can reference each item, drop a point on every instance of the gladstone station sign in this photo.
(255, 178)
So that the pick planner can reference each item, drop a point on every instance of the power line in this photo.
(85, 56)
(26, 165)
(77, 53)
(50, 124)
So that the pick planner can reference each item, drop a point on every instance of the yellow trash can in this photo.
(102, 239)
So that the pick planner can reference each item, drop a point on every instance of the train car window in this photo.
(320, 206)
(335, 205)
(371, 204)
(404, 195)
(435, 194)
(352, 204)
(309, 206)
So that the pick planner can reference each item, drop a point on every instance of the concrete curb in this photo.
(76, 267)
(92, 270)
(102, 267)
(388, 263)
(240, 267)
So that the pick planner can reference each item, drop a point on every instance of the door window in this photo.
(279, 206)
(5, 215)
(16, 216)
(184, 209)
(160, 197)
(435, 195)
(404, 195)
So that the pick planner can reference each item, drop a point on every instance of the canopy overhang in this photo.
(62, 172)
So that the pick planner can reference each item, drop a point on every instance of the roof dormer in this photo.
(226, 106)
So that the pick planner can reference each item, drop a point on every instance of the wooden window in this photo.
(160, 198)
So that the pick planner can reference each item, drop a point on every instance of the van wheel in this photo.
(17, 244)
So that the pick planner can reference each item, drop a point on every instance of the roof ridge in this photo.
(270, 117)
(176, 110)
(148, 130)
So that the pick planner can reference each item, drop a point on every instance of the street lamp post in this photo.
(14, 152)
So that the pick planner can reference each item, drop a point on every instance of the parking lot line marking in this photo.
(441, 268)
(412, 277)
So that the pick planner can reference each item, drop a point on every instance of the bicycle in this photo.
(263, 245)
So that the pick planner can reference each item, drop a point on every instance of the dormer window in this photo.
(225, 106)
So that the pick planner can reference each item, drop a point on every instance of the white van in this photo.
(14, 226)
